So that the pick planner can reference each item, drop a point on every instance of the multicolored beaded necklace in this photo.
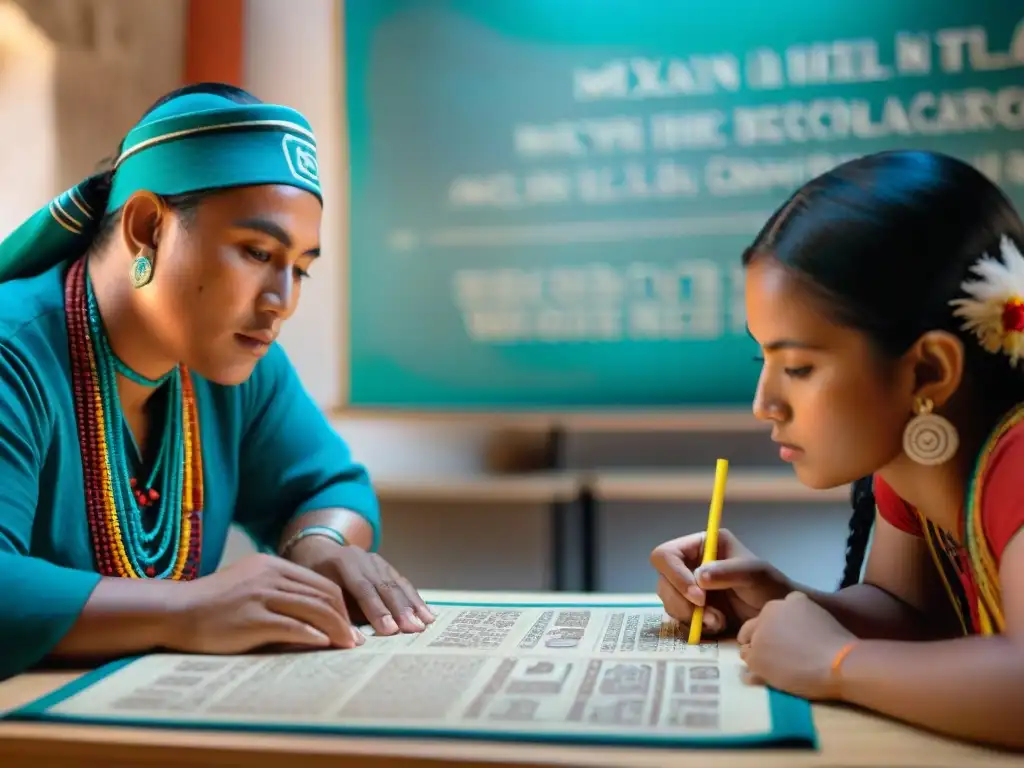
(152, 530)
(988, 601)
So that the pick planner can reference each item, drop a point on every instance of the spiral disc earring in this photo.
(142, 268)
(928, 438)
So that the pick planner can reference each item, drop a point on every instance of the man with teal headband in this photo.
(145, 406)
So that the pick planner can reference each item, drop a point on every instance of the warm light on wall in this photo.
(28, 133)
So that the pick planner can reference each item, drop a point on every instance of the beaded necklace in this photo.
(171, 501)
(988, 600)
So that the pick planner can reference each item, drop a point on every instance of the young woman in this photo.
(888, 299)
(145, 406)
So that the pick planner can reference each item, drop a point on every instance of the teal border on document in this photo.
(792, 723)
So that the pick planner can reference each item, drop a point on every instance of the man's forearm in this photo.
(124, 616)
(353, 526)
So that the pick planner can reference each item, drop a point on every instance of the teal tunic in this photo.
(268, 454)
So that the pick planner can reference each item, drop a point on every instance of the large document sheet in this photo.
(588, 673)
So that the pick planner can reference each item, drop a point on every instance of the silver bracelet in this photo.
(312, 530)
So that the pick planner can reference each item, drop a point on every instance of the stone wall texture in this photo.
(114, 59)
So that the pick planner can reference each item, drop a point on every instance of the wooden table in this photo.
(848, 739)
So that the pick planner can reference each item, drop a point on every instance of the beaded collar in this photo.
(153, 531)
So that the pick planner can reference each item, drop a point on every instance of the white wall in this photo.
(28, 129)
(110, 59)
(292, 57)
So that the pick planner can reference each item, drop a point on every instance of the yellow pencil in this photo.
(711, 539)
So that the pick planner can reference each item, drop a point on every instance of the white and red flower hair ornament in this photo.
(994, 307)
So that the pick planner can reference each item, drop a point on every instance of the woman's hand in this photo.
(733, 589)
(260, 600)
(374, 590)
(791, 646)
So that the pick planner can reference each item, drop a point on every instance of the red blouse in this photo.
(1002, 509)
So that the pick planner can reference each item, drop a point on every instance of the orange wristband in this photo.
(839, 658)
(837, 662)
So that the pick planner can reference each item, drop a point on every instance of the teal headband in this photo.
(193, 143)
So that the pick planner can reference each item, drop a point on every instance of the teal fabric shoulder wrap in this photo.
(195, 142)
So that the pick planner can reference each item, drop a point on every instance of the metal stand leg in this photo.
(564, 549)
(589, 543)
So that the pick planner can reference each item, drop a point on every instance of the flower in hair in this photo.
(994, 307)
